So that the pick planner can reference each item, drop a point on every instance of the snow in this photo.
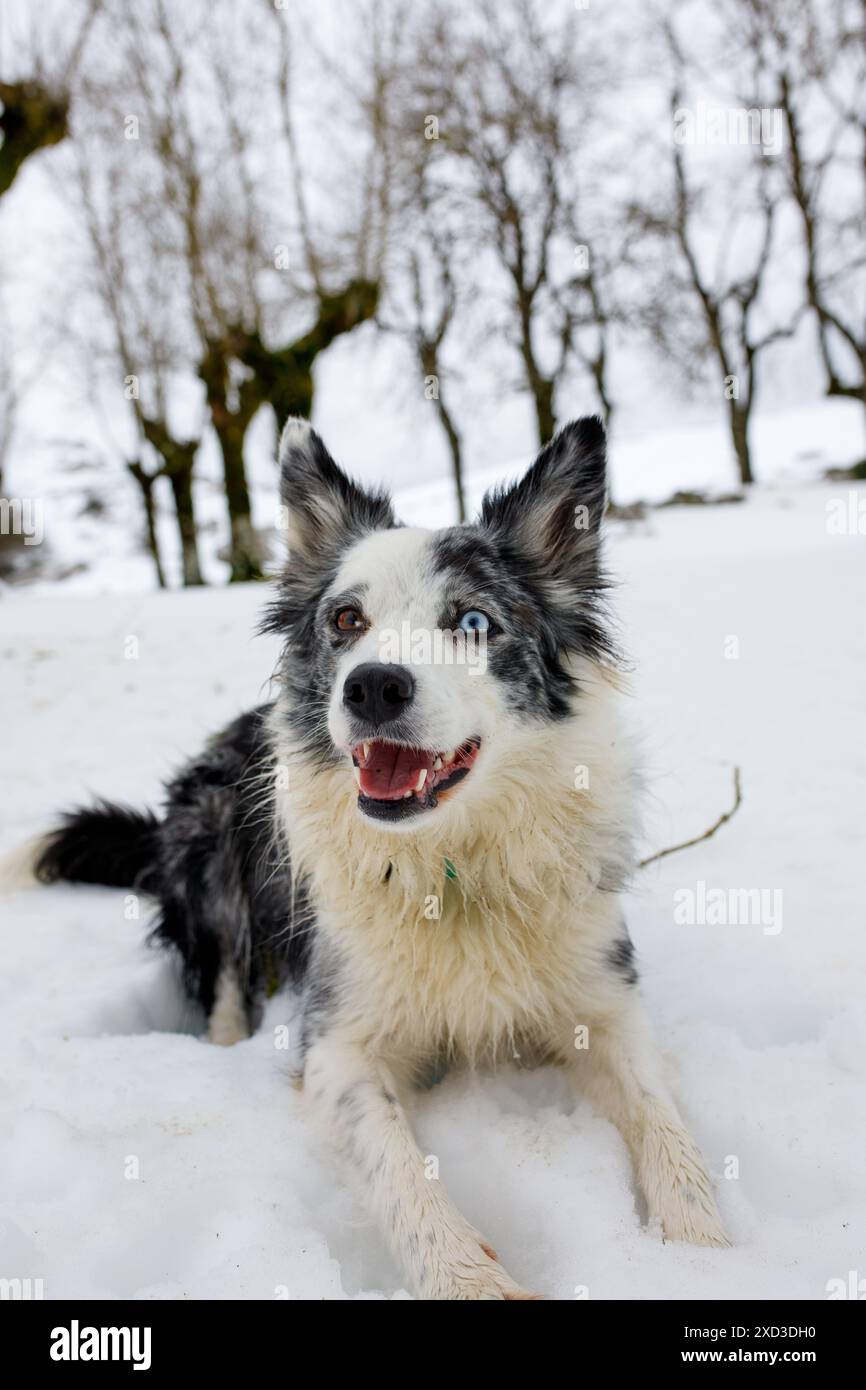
(235, 1196)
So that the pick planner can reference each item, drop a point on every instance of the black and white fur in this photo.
(268, 865)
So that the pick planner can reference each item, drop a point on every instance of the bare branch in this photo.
(707, 834)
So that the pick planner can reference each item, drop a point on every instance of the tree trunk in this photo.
(32, 118)
(230, 427)
(456, 447)
(428, 361)
(543, 393)
(145, 482)
(283, 378)
(180, 476)
(739, 420)
(244, 551)
(539, 386)
(178, 459)
(599, 372)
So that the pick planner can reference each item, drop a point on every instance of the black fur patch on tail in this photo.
(113, 845)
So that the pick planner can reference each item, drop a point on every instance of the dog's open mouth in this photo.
(396, 781)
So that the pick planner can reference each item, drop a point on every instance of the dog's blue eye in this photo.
(474, 621)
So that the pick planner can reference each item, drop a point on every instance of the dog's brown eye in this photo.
(349, 620)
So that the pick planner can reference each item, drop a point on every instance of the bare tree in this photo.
(729, 305)
(812, 67)
(245, 359)
(196, 218)
(215, 249)
(423, 308)
(435, 309)
(513, 91)
(145, 348)
(717, 232)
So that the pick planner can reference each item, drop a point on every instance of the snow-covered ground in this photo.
(139, 1162)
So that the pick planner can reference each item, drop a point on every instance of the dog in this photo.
(430, 843)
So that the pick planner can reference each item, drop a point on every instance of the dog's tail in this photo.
(105, 843)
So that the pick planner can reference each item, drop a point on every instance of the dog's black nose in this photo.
(378, 693)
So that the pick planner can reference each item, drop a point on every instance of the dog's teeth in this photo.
(437, 764)
(366, 748)
(450, 757)
(406, 795)
(357, 772)
(422, 778)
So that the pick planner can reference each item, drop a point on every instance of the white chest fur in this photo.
(489, 926)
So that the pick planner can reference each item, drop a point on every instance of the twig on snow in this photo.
(686, 844)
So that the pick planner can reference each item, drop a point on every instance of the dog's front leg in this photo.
(355, 1096)
(621, 1071)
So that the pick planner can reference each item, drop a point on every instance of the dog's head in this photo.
(425, 659)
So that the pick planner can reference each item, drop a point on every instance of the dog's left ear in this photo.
(325, 509)
(552, 516)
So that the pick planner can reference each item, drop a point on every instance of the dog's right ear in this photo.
(324, 509)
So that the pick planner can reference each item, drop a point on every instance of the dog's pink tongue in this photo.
(388, 771)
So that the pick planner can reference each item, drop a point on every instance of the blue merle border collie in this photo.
(431, 850)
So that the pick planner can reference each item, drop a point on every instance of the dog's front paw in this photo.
(678, 1189)
(690, 1214)
(697, 1232)
(464, 1282)
(471, 1272)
